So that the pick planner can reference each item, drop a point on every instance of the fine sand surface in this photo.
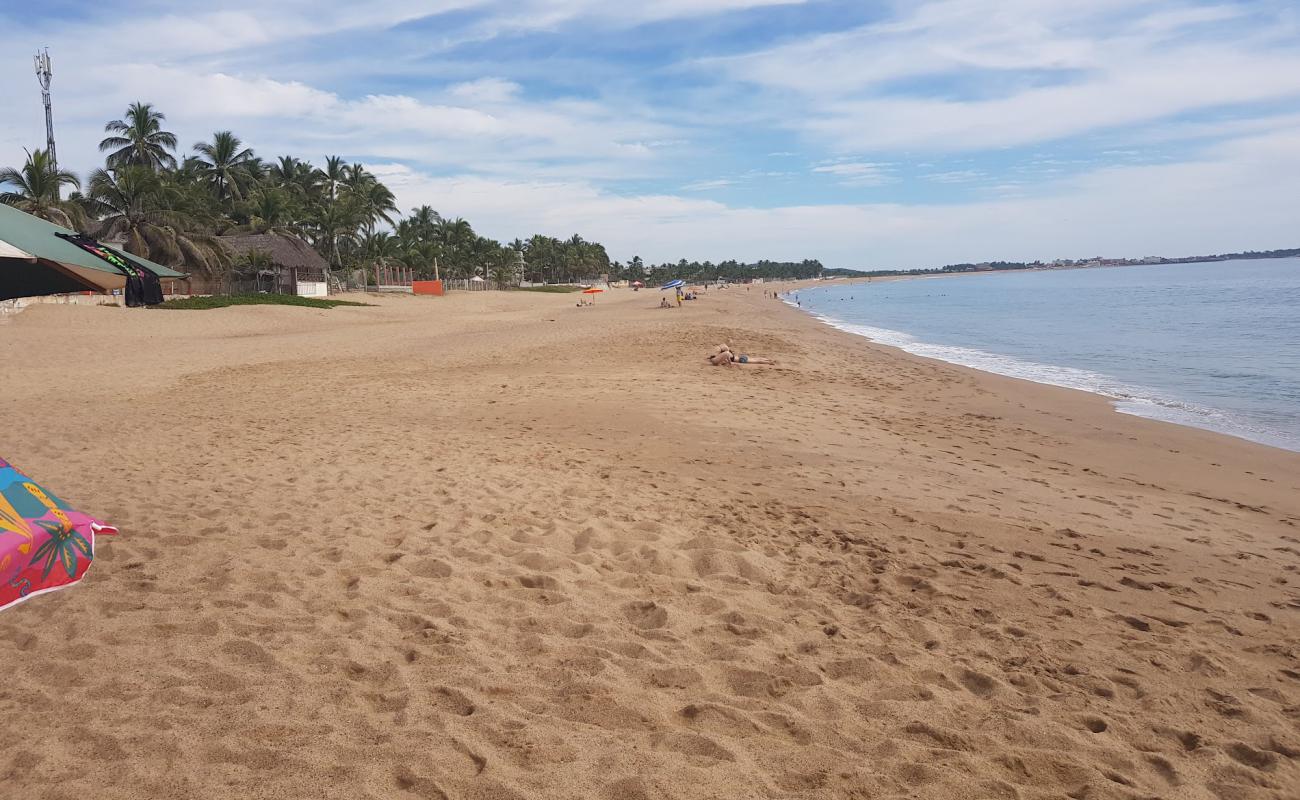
(496, 546)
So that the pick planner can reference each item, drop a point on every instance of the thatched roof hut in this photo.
(285, 251)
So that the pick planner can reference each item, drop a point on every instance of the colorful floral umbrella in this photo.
(44, 544)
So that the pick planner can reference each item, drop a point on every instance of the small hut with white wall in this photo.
(292, 266)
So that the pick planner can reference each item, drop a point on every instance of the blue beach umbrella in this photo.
(673, 284)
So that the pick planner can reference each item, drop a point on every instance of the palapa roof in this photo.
(287, 251)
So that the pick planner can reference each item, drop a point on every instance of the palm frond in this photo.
(194, 255)
(136, 244)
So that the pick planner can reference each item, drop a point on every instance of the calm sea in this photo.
(1215, 346)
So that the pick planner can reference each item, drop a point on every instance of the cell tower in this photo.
(43, 75)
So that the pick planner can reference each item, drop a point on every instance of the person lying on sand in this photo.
(723, 357)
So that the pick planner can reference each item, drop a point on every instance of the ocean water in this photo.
(1214, 346)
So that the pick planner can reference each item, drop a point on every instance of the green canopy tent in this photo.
(35, 260)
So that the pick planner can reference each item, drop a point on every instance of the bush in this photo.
(551, 288)
(222, 301)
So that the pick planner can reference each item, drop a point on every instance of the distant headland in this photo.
(1066, 263)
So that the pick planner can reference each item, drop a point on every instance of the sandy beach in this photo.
(497, 546)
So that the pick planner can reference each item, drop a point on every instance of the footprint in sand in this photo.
(646, 614)
(408, 781)
(246, 652)
(978, 683)
(626, 789)
(453, 701)
(1261, 760)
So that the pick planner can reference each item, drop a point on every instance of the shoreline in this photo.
(1056, 376)
(495, 545)
(1009, 381)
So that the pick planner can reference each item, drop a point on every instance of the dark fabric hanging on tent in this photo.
(134, 290)
(142, 286)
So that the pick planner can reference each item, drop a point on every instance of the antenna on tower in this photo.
(43, 76)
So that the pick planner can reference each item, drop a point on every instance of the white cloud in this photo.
(545, 14)
(1030, 71)
(189, 94)
(473, 128)
(856, 173)
(709, 185)
(955, 176)
(486, 90)
(556, 151)
(1237, 197)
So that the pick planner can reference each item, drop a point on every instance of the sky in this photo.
(865, 134)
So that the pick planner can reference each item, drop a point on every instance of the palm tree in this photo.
(283, 172)
(295, 176)
(424, 220)
(504, 265)
(575, 256)
(333, 176)
(382, 249)
(189, 194)
(139, 140)
(256, 168)
(377, 202)
(82, 209)
(131, 203)
(36, 190)
(423, 255)
(271, 210)
(458, 240)
(134, 203)
(356, 178)
(333, 227)
(224, 164)
(544, 253)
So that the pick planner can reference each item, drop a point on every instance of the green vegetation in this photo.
(35, 189)
(222, 301)
(698, 272)
(553, 288)
(172, 208)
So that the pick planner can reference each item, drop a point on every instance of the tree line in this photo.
(707, 271)
(173, 208)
